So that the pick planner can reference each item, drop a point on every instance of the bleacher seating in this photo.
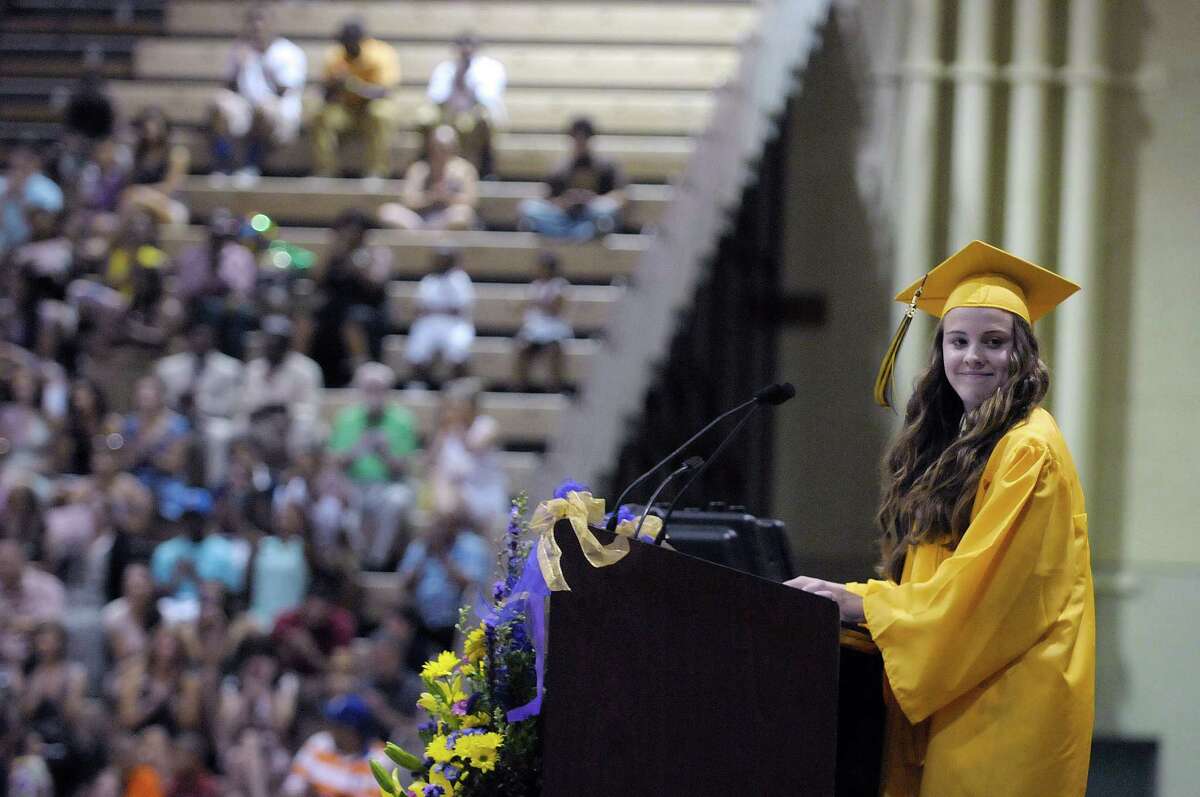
(643, 71)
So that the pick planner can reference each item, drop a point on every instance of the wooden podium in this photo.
(668, 675)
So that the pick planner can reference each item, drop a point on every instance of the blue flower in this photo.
(570, 485)
(623, 513)
(433, 791)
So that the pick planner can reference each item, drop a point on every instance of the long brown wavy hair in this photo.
(932, 470)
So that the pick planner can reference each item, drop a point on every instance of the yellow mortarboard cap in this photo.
(978, 275)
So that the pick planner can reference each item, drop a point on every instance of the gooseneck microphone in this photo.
(771, 394)
(689, 464)
(785, 393)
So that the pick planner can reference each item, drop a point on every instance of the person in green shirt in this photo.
(372, 441)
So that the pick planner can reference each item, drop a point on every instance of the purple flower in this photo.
(460, 708)
(623, 513)
(427, 727)
(432, 791)
(570, 485)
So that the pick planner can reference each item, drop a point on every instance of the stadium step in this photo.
(493, 359)
(487, 256)
(318, 200)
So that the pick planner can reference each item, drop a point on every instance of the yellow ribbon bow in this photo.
(581, 509)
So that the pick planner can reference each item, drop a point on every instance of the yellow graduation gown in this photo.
(989, 649)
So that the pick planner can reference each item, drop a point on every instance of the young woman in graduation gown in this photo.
(984, 615)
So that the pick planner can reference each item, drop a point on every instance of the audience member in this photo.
(440, 190)
(442, 327)
(159, 688)
(135, 531)
(373, 440)
(467, 93)
(151, 428)
(360, 75)
(256, 712)
(279, 570)
(544, 328)
(436, 576)
(180, 563)
(26, 433)
(129, 619)
(584, 198)
(28, 596)
(23, 187)
(337, 761)
(261, 101)
(159, 167)
(203, 384)
(388, 685)
(352, 288)
(465, 474)
(218, 280)
(84, 427)
(192, 777)
(282, 380)
(308, 635)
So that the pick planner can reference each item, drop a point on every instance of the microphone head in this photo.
(775, 394)
(692, 463)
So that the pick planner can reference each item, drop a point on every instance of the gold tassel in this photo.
(883, 380)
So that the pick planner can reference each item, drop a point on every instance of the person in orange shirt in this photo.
(336, 763)
(985, 613)
(360, 76)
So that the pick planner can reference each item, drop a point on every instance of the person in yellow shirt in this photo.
(360, 76)
(984, 615)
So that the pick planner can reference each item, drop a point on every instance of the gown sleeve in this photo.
(992, 599)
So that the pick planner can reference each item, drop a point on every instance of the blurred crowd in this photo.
(214, 578)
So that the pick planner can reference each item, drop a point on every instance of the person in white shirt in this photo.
(544, 327)
(282, 378)
(467, 93)
(261, 103)
(443, 328)
(204, 384)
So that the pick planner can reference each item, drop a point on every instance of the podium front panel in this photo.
(668, 675)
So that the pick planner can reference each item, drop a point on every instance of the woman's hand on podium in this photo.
(850, 606)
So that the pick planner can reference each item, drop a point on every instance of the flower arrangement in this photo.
(483, 734)
(473, 743)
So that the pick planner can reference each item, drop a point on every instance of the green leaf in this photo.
(403, 758)
(383, 779)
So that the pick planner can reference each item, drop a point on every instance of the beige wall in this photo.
(1143, 498)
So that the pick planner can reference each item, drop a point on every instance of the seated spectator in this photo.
(26, 431)
(308, 635)
(437, 575)
(193, 556)
(203, 384)
(389, 687)
(373, 440)
(352, 286)
(28, 774)
(151, 428)
(160, 688)
(255, 715)
(282, 379)
(159, 167)
(136, 269)
(102, 181)
(440, 191)
(136, 531)
(279, 569)
(129, 620)
(442, 328)
(218, 281)
(544, 328)
(85, 424)
(23, 519)
(23, 188)
(45, 263)
(260, 103)
(360, 75)
(28, 597)
(467, 93)
(191, 776)
(54, 706)
(584, 197)
(465, 473)
(337, 761)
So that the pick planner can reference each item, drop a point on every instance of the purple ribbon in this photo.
(528, 596)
